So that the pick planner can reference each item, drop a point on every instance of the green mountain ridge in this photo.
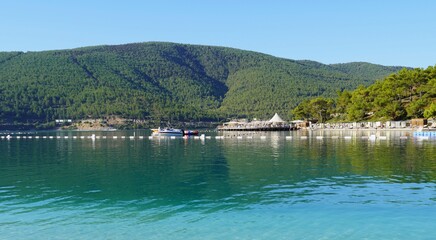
(166, 81)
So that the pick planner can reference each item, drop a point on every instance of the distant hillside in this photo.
(166, 81)
(365, 70)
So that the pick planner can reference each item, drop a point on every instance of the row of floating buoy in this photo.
(93, 136)
(202, 137)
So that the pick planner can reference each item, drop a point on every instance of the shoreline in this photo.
(363, 129)
(407, 129)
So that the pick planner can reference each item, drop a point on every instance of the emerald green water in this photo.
(272, 188)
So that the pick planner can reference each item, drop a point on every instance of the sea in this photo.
(235, 185)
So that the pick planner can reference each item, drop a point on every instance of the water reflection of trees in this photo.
(304, 159)
(212, 175)
(160, 170)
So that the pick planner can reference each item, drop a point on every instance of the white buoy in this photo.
(173, 137)
(82, 137)
(115, 137)
(262, 137)
(8, 136)
(66, 137)
(288, 137)
(150, 137)
(37, 137)
(239, 137)
(372, 137)
(303, 137)
(319, 137)
(141, 137)
(51, 137)
(74, 137)
(382, 137)
(123, 137)
(403, 137)
(44, 137)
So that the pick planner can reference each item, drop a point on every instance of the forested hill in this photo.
(166, 81)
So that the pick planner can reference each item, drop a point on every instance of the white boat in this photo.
(167, 132)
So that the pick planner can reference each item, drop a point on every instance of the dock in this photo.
(256, 128)
(274, 124)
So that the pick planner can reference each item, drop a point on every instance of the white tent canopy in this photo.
(276, 119)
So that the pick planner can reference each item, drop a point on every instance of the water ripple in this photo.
(350, 190)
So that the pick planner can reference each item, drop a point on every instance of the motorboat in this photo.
(167, 131)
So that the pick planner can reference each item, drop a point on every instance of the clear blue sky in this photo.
(388, 32)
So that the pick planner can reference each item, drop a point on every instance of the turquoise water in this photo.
(272, 188)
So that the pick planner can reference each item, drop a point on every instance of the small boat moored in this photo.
(190, 132)
(167, 132)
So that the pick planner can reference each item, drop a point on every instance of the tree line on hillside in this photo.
(410, 93)
(165, 82)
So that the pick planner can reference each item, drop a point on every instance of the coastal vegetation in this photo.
(154, 82)
(410, 93)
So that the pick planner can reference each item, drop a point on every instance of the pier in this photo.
(256, 128)
(274, 124)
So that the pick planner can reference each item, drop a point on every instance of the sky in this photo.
(387, 32)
